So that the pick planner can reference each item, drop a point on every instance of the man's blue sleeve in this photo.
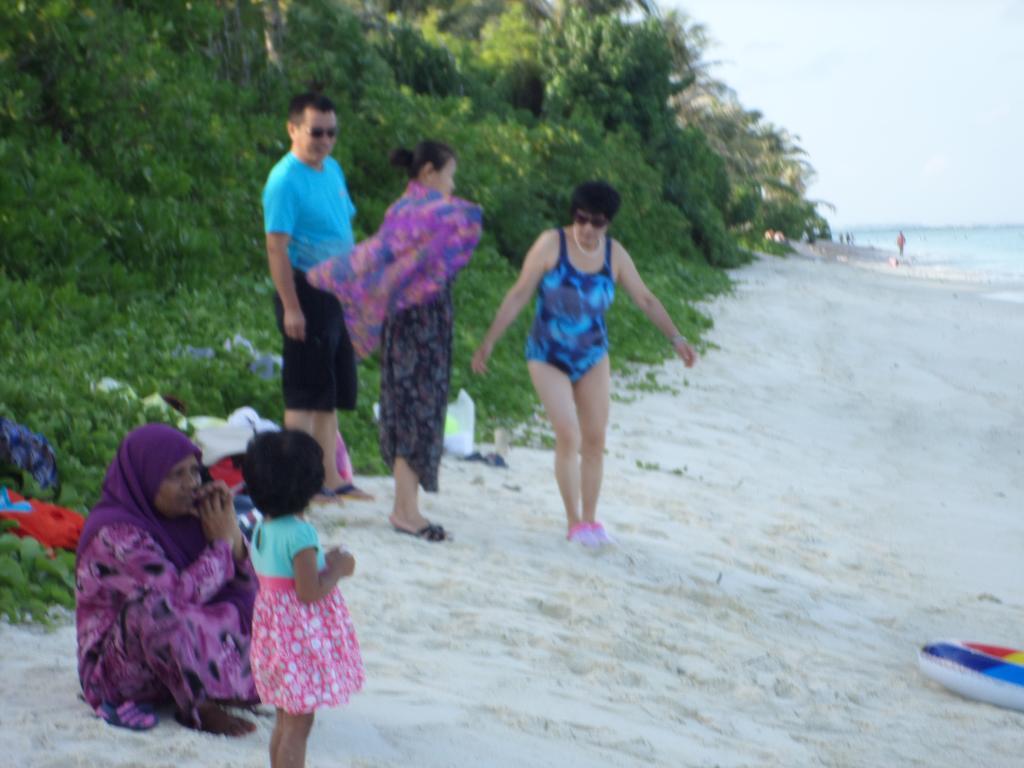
(280, 207)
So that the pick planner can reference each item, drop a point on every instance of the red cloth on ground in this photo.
(49, 524)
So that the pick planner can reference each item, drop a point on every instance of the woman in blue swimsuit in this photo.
(574, 271)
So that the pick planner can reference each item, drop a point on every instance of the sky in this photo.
(911, 111)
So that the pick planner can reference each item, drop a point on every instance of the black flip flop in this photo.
(429, 532)
(491, 459)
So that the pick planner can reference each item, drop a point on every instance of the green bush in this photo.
(31, 580)
(417, 64)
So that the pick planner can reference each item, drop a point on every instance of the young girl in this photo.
(304, 650)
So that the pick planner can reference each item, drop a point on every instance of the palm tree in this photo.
(754, 151)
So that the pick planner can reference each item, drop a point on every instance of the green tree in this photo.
(510, 54)
(615, 71)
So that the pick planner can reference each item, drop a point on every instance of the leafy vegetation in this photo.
(136, 135)
(31, 580)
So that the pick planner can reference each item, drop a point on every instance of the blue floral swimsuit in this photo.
(568, 330)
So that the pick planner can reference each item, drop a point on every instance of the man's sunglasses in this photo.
(319, 133)
(596, 220)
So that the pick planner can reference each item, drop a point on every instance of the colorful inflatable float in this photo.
(986, 673)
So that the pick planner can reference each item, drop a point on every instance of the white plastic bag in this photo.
(218, 442)
(458, 425)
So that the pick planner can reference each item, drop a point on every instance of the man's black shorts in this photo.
(319, 374)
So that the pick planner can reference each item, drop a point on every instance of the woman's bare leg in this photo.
(591, 394)
(555, 392)
(405, 513)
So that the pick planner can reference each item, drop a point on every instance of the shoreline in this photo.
(835, 483)
(886, 261)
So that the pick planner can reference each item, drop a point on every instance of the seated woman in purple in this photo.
(164, 591)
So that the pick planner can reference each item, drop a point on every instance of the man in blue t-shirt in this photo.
(307, 213)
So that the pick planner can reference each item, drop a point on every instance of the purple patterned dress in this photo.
(162, 614)
(148, 632)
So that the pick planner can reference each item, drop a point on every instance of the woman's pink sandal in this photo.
(580, 534)
(599, 534)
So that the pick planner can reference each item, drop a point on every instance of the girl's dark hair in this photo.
(595, 197)
(283, 471)
(434, 152)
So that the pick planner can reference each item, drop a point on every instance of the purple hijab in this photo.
(133, 478)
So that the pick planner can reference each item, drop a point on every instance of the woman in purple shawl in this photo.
(164, 591)
(395, 289)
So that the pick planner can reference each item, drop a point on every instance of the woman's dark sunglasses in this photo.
(596, 220)
(318, 133)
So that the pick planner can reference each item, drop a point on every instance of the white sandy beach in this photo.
(840, 481)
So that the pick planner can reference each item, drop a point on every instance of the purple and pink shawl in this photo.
(425, 239)
(133, 478)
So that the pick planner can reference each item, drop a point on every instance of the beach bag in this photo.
(220, 441)
(458, 425)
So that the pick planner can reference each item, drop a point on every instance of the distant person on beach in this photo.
(164, 591)
(573, 271)
(305, 654)
(396, 290)
(307, 213)
(900, 242)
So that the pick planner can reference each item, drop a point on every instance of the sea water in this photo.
(990, 254)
